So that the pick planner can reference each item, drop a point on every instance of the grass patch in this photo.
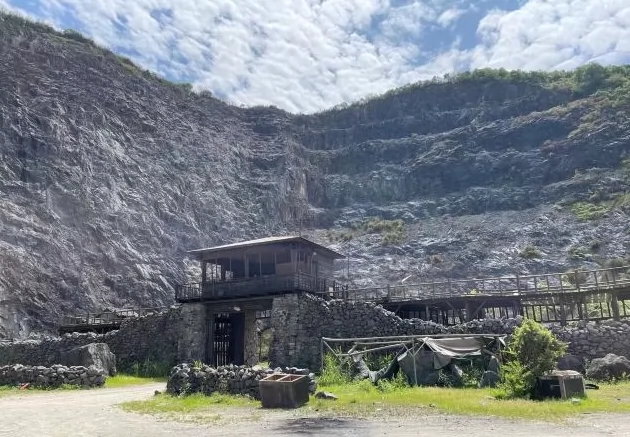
(130, 380)
(5, 390)
(585, 211)
(196, 408)
(362, 399)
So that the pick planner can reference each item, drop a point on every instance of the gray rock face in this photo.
(108, 175)
(97, 355)
(609, 367)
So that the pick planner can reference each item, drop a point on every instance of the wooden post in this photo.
(518, 284)
(563, 316)
(614, 302)
(577, 280)
(204, 271)
(389, 293)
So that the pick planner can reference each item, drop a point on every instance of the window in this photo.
(283, 257)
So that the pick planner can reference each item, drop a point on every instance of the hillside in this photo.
(109, 174)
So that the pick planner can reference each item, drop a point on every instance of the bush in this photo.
(585, 211)
(333, 372)
(149, 369)
(530, 252)
(532, 352)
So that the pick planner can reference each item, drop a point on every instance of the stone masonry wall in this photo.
(166, 338)
(51, 377)
(252, 340)
(299, 322)
(230, 379)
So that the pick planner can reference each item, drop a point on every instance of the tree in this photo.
(532, 352)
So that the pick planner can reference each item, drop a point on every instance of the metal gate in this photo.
(223, 344)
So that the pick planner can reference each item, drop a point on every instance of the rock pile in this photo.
(608, 368)
(52, 377)
(231, 379)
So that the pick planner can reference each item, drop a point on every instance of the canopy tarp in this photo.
(445, 349)
(432, 354)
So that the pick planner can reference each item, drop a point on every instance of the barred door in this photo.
(223, 348)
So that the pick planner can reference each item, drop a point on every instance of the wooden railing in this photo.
(106, 317)
(259, 286)
(516, 285)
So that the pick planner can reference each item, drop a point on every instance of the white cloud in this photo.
(558, 34)
(449, 16)
(305, 55)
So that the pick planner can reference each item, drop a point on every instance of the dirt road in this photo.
(95, 413)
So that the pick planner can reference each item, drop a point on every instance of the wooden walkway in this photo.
(104, 321)
(554, 297)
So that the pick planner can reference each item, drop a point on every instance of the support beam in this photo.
(614, 302)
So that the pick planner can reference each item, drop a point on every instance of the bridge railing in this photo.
(515, 285)
(107, 317)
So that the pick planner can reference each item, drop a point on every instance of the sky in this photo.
(309, 55)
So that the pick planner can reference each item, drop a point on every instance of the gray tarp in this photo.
(433, 354)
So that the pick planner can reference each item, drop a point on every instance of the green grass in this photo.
(362, 400)
(585, 211)
(129, 380)
(358, 398)
(6, 390)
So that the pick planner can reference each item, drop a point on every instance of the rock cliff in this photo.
(108, 174)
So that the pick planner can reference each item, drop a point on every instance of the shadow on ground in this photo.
(316, 425)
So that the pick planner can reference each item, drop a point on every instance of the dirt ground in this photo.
(95, 413)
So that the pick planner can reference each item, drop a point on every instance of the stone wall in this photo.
(51, 377)
(252, 340)
(236, 380)
(589, 340)
(164, 339)
(299, 322)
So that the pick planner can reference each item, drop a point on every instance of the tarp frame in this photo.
(412, 343)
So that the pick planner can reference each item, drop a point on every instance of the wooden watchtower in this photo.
(263, 267)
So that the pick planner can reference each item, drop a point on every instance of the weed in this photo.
(530, 252)
(122, 380)
(149, 369)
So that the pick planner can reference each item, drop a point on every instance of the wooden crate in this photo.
(281, 390)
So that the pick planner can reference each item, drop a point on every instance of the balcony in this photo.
(259, 287)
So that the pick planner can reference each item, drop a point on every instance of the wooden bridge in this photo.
(551, 298)
(103, 321)
(554, 297)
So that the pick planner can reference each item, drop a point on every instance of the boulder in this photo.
(607, 368)
(489, 379)
(96, 355)
(571, 362)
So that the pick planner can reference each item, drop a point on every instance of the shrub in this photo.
(333, 372)
(532, 352)
(149, 369)
(585, 211)
(577, 253)
(575, 277)
(530, 252)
